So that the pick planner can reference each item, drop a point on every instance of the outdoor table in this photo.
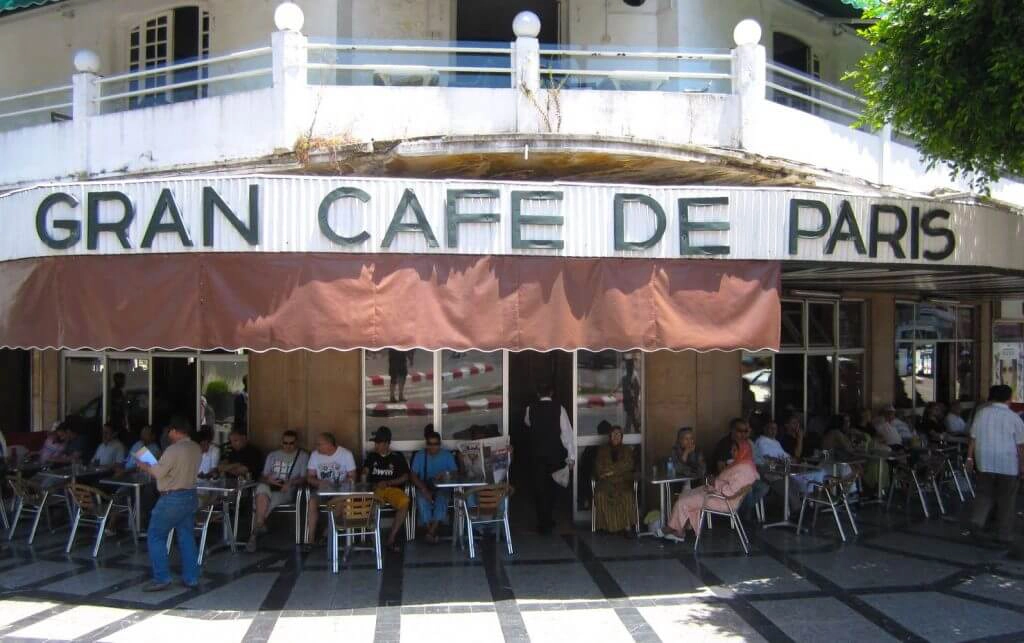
(883, 458)
(460, 485)
(792, 469)
(230, 490)
(134, 481)
(664, 481)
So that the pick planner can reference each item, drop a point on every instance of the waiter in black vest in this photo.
(551, 446)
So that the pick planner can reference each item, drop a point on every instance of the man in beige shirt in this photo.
(175, 476)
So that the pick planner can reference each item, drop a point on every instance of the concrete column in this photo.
(884, 152)
(291, 91)
(84, 92)
(526, 72)
(749, 78)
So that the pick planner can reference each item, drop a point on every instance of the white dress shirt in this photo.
(955, 424)
(887, 432)
(565, 431)
(765, 447)
(997, 433)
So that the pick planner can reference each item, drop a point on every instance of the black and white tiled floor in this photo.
(904, 578)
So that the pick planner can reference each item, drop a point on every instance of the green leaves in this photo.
(949, 74)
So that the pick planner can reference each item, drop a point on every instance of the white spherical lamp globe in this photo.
(88, 61)
(526, 25)
(747, 32)
(289, 17)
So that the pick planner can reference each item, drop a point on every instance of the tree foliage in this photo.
(950, 74)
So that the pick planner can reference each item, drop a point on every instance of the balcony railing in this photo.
(626, 70)
(36, 107)
(802, 91)
(187, 80)
(410, 64)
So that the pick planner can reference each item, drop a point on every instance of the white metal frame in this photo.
(808, 351)
(916, 343)
(105, 356)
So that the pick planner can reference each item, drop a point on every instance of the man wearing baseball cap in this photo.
(388, 472)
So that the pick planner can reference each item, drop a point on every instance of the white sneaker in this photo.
(674, 538)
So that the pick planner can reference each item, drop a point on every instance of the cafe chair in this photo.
(205, 516)
(33, 499)
(294, 507)
(732, 504)
(487, 505)
(830, 493)
(922, 477)
(593, 512)
(3, 512)
(94, 507)
(351, 517)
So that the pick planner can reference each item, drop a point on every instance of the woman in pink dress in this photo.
(739, 474)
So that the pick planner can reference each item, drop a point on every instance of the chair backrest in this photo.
(88, 499)
(489, 499)
(353, 511)
(27, 490)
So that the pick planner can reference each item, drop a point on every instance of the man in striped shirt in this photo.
(997, 451)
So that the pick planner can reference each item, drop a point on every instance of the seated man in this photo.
(242, 459)
(954, 421)
(885, 428)
(767, 446)
(55, 443)
(110, 452)
(147, 438)
(329, 465)
(210, 459)
(427, 467)
(283, 471)
(388, 472)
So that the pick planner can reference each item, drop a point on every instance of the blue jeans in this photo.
(175, 511)
(436, 511)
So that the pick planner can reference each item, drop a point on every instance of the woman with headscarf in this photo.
(686, 457)
(614, 501)
(733, 479)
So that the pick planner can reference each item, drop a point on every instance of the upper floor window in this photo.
(797, 55)
(173, 36)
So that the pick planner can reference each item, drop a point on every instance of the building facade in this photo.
(338, 215)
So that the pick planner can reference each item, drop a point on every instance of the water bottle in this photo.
(670, 468)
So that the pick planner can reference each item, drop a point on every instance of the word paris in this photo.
(637, 222)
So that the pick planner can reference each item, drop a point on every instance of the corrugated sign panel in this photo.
(287, 209)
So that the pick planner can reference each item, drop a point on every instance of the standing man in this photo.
(398, 370)
(117, 402)
(242, 407)
(388, 472)
(996, 450)
(283, 472)
(175, 476)
(551, 445)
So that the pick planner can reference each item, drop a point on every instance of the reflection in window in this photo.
(851, 324)
(128, 396)
(935, 322)
(83, 393)
(399, 392)
(471, 395)
(851, 383)
(821, 324)
(174, 389)
(224, 403)
(792, 323)
(756, 389)
(609, 391)
(965, 384)
(789, 385)
(904, 368)
(904, 321)
(965, 322)
(819, 393)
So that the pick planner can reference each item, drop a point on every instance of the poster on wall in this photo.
(1007, 367)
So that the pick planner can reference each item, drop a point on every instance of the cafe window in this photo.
(133, 389)
(471, 395)
(399, 392)
(935, 358)
(1008, 357)
(818, 371)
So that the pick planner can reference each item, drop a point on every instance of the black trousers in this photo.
(1001, 491)
(545, 495)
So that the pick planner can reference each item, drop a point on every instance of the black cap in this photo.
(383, 434)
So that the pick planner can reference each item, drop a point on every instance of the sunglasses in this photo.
(289, 443)
(433, 444)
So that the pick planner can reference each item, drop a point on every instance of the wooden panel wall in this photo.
(307, 392)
